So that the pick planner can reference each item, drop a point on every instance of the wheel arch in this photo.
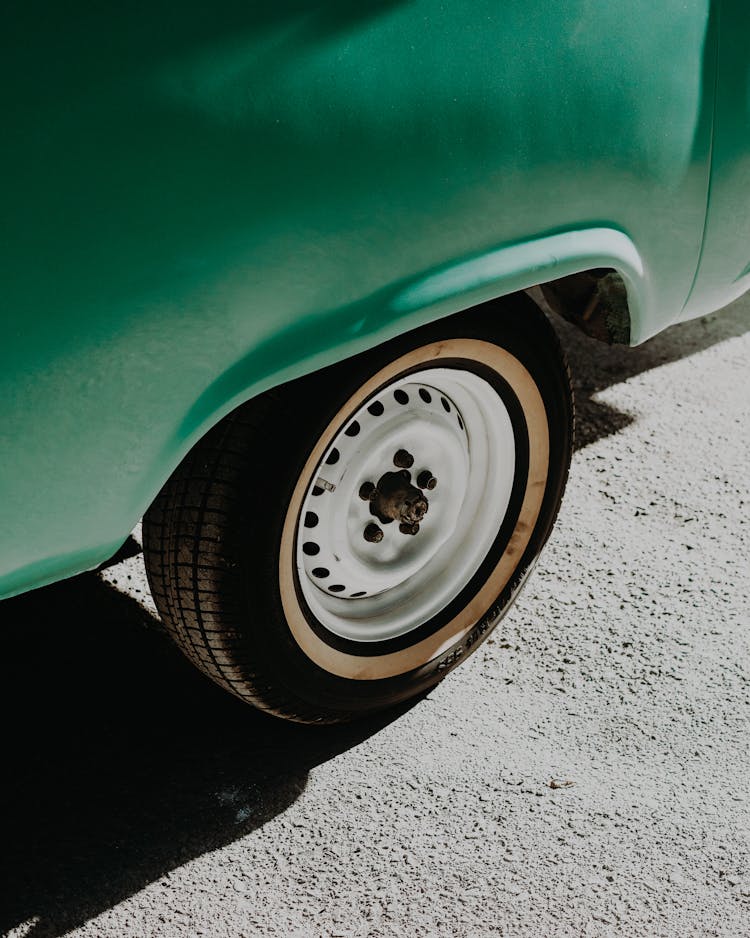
(322, 340)
(316, 341)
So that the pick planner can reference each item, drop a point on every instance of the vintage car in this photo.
(277, 277)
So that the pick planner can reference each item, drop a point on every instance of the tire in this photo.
(307, 561)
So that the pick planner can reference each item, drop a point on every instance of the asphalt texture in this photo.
(585, 773)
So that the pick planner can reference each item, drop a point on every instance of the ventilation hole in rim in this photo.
(321, 573)
(317, 490)
(376, 409)
(425, 395)
(352, 429)
(446, 405)
(310, 548)
(333, 457)
(337, 588)
(311, 519)
(401, 396)
(357, 595)
(460, 421)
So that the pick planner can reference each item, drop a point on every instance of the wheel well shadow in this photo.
(595, 366)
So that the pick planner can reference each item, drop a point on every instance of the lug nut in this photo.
(367, 491)
(409, 528)
(373, 534)
(426, 480)
(403, 459)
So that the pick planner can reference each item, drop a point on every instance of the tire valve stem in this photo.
(373, 533)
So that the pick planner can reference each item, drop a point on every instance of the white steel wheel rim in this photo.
(455, 425)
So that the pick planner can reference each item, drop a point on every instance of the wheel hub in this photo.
(394, 498)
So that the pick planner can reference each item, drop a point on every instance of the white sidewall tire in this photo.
(219, 539)
(374, 667)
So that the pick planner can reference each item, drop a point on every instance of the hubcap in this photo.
(405, 504)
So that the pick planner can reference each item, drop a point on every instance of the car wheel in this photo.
(341, 543)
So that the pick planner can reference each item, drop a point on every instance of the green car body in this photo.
(202, 201)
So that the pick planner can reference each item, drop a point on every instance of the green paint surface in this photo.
(200, 201)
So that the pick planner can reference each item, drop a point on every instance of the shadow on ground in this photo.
(122, 763)
(595, 367)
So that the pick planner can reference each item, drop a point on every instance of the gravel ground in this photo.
(584, 774)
